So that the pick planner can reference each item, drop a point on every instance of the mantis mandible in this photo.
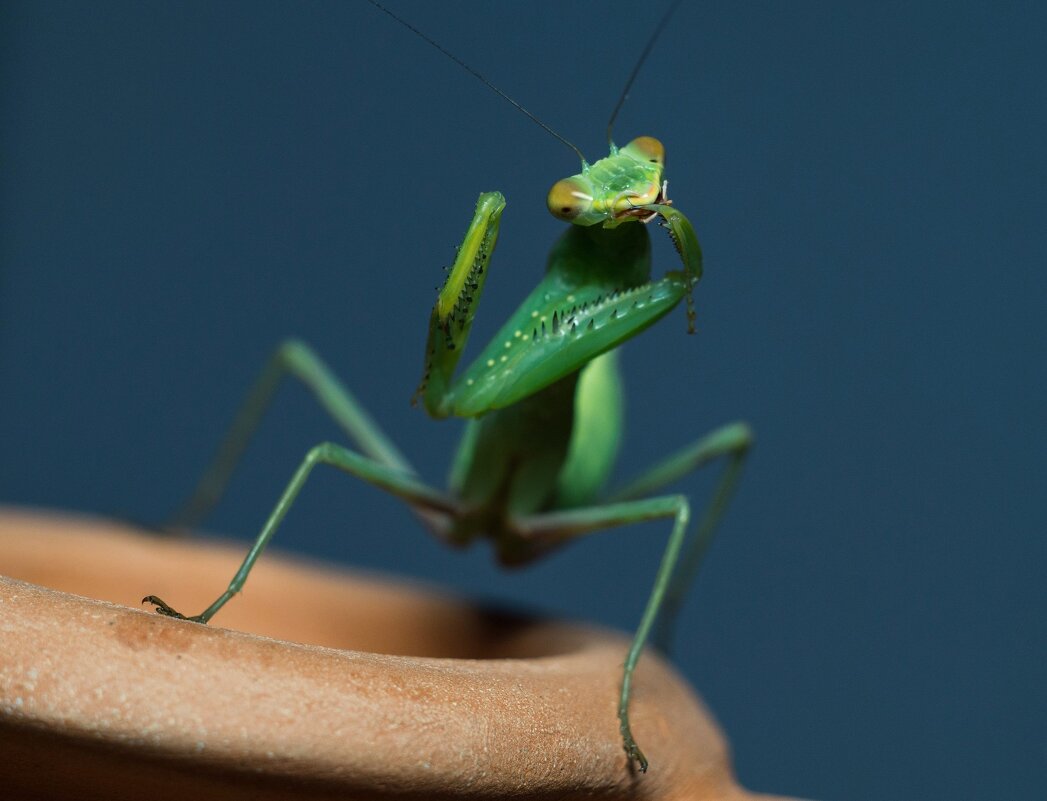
(543, 399)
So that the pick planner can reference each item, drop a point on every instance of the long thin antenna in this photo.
(478, 76)
(636, 69)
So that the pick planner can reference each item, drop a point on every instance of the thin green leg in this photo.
(562, 526)
(297, 359)
(732, 441)
(727, 440)
(391, 479)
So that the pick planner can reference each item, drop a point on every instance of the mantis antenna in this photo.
(636, 69)
(479, 77)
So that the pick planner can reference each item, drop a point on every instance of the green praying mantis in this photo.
(543, 399)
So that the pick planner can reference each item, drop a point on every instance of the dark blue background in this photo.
(184, 184)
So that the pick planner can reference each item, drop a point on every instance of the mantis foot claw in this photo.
(635, 755)
(163, 608)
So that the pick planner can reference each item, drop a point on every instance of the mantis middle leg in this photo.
(558, 527)
(672, 579)
(732, 442)
(391, 479)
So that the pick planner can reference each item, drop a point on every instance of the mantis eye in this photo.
(568, 199)
(646, 148)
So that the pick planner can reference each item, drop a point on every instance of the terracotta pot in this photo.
(314, 684)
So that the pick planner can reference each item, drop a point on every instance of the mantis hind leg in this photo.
(391, 479)
(297, 359)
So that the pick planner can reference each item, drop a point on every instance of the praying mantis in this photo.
(543, 399)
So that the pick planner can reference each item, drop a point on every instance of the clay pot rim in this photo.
(560, 636)
(536, 710)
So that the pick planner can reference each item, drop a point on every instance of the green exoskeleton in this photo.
(543, 399)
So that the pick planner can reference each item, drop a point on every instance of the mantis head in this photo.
(617, 188)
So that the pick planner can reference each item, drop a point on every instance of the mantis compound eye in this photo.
(568, 199)
(646, 148)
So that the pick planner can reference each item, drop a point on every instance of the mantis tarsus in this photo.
(543, 398)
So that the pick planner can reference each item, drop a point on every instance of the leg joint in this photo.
(683, 508)
(736, 439)
(294, 351)
(324, 452)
